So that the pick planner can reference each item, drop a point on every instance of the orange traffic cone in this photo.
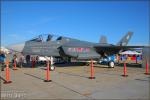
(125, 70)
(47, 73)
(92, 70)
(7, 74)
(147, 68)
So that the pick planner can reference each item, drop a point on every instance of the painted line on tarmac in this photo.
(72, 74)
(72, 90)
(142, 80)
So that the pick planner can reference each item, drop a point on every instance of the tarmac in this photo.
(72, 82)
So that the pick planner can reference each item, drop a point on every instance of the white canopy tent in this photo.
(4, 50)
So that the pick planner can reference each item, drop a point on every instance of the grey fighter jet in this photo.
(72, 48)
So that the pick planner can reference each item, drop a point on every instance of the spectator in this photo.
(15, 59)
(37, 59)
(21, 60)
(33, 59)
(2, 61)
(28, 59)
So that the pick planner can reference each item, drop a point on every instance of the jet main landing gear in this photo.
(111, 64)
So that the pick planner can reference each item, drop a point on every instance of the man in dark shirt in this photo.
(2, 61)
(28, 59)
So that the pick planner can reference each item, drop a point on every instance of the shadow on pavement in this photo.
(1, 78)
(73, 64)
(131, 65)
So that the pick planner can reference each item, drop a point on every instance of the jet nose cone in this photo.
(16, 47)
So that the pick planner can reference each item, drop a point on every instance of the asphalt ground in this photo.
(72, 82)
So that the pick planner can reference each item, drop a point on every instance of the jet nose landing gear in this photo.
(52, 68)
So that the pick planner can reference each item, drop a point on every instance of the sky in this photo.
(21, 21)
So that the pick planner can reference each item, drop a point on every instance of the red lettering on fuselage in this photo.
(79, 50)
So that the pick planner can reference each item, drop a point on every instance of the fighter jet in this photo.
(72, 48)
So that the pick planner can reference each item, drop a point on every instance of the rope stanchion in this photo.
(7, 74)
(92, 70)
(47, 73)
(147, 68)
(125, 70)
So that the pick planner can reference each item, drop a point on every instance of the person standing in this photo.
(15, 60)
(33, 61)
(21, 60)
(37, 59)
(28, 59)
(2, 61)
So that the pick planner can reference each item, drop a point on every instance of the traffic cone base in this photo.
(15, 69)
(147, 73)
(124, 75)
(7, 82)
(47, 80)
(91, 77)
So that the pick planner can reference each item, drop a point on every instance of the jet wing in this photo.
(114, 49)
(79, 52)
(119, 47)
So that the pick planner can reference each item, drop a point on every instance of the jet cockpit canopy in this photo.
(44, 38)
(51, 37)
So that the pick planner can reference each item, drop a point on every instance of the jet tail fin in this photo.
(103, 39)
(124, 41)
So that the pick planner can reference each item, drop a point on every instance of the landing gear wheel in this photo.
(111, 64)
(52, 68)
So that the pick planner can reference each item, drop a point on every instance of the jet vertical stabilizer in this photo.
(124, 41)
(103, 39)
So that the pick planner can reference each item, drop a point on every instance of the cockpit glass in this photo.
(45, 38)
(59, 38)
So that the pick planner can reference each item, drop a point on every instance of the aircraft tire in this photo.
(52, 68)
(111, 64)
